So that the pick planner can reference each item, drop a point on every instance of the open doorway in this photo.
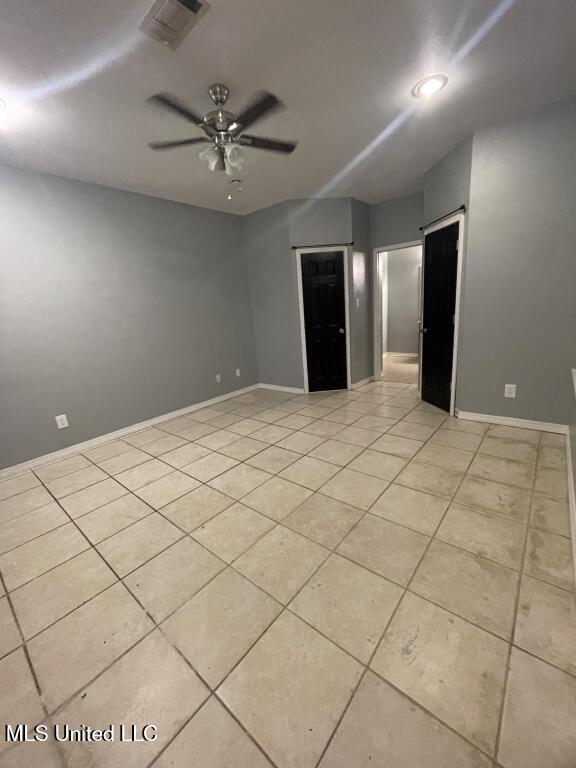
(397, 313)
(417, 307)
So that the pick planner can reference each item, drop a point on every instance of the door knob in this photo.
(423, 330)
(341, 330)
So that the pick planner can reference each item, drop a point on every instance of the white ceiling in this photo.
(76, 75)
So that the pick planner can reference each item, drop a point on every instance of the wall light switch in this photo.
(357, 302)
(219, 378)
(61, 421)
(237, 371)
(510, 390)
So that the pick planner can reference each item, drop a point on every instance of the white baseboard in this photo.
(508, 421)
(361, 383)
(94, 442)
(278, 388)
(400, 354)
(571, 500)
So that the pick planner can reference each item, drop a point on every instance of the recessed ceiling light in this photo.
(429, 85)
(229, 197)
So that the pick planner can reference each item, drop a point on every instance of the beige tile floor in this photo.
(402, 369)
(345, 579)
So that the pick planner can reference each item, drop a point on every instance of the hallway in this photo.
(403, 370)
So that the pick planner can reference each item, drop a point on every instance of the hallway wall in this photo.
(519, 311)
(403, 293)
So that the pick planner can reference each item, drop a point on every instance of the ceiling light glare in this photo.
(429, 85)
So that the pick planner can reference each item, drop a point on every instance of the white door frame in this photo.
(377, 300)
(345, 250)
(459, 218)
(380, 283)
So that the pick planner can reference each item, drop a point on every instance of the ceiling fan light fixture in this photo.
(210, 156)
(234, 159)
(224, 130)
(429, 86)
(228, 158)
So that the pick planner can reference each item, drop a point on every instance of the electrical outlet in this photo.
(61, 421)
(238, 372)
(218, 378)
(510, 390)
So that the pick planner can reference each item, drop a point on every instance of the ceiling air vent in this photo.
(169, 21)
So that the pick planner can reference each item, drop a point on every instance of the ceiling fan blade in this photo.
(272, 145)
(265, 103)
(174, 144)
(171, 103)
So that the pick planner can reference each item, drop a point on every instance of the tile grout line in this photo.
(134, 492)
(287, 608)
(515, 617)
(22, 641)
(158, 426)
(146, 634)
(128, 492)
(280, 523)
(346, 557)
(197, 712)
(388, 624)
(257, 639)
(270, 404)
(140, 448)
(406, 590)
(212, 690)
(42, 484)
(189, 533)
(155, 627)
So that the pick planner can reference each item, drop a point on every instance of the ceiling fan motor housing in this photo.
(219, 93)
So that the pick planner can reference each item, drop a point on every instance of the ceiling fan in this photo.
(224, 130)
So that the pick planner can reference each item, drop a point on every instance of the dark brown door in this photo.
(324, 319)
(440, 273)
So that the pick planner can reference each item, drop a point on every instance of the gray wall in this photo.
(360, 303)
(447, 184)
(114, 308)
(271, 235)
(274, 290)
(320, 222)
(403, 294)
(519, 311)
(396, 221)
